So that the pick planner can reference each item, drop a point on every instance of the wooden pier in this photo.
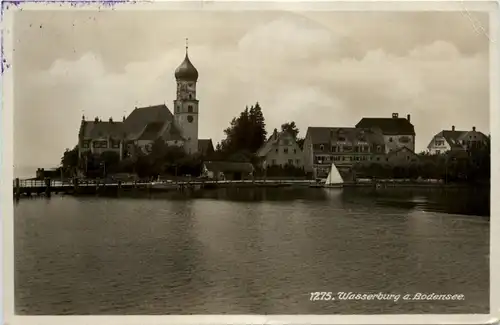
(75, 186)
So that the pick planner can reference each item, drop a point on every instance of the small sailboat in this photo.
(334, 179)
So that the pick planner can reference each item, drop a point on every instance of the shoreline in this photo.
(88, 187)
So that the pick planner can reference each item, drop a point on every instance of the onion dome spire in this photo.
(186, 70)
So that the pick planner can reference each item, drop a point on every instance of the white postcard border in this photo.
(7, 154)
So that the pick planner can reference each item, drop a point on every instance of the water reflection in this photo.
(250, 251)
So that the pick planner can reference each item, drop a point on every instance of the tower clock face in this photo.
(190, 119)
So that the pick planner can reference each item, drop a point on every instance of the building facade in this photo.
(145, 125)
(402, 157)
(281, 149)
(455, 140)
(342, 146)
(397, 132)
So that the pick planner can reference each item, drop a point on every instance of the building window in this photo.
(290, 161)
(285, 150)
(294, 150)
(407, 157)
(273, 161)
(321, 147)
(297, 161)
(276, 150)
(438, 152)
(190, 96)
(390, 139)
(190, 108)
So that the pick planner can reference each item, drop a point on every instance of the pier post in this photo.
(47, 187)
(17, 188)
(75, 185)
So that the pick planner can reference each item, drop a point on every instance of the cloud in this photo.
(294, 68)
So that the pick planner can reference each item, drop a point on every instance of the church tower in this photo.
(186, 104)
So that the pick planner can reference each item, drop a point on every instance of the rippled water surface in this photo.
(252, 251)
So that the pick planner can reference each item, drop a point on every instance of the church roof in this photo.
(140, 117)
(172, 132)
(152, 131)
(186, 70)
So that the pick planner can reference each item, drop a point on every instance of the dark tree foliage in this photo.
(246, 133)
(291, 128)
(472, 166)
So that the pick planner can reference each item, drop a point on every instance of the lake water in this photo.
(252, 251)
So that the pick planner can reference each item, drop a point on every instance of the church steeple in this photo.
(186, 70)
(186, 103)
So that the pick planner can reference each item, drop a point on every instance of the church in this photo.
(145, 125)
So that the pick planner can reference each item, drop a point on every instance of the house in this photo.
(145, 125)
(342, 146)
(402, 157)
(227, 170)
(205, 147)
(281, 149)
(455, 140)
(398, 132)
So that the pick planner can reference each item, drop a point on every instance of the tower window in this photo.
(190, 108)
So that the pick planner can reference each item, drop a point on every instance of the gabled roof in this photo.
(205, 146)
(404, 148)
(325, 135)
(152, 131)
(454, 137)
(141, 117)
(171, 132)
(97, 129)
(389, 125)
(229, 166)
(273, 140)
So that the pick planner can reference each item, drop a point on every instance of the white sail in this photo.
(334, 176)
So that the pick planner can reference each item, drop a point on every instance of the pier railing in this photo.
(34, 183)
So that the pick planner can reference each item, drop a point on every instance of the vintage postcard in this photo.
(252, 162)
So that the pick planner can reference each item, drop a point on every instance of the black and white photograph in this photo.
(191, 161)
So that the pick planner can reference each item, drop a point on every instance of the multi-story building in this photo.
(454, 140)
(281, 149)
(148, 124)
(398, 132)
(342, 146)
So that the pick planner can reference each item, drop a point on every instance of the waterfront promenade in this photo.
(94, 186)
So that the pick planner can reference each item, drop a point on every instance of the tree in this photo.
(258, 133)
(291, 128)
(69, 161)
(245, 133)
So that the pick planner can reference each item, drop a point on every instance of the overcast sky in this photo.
(315, 68)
